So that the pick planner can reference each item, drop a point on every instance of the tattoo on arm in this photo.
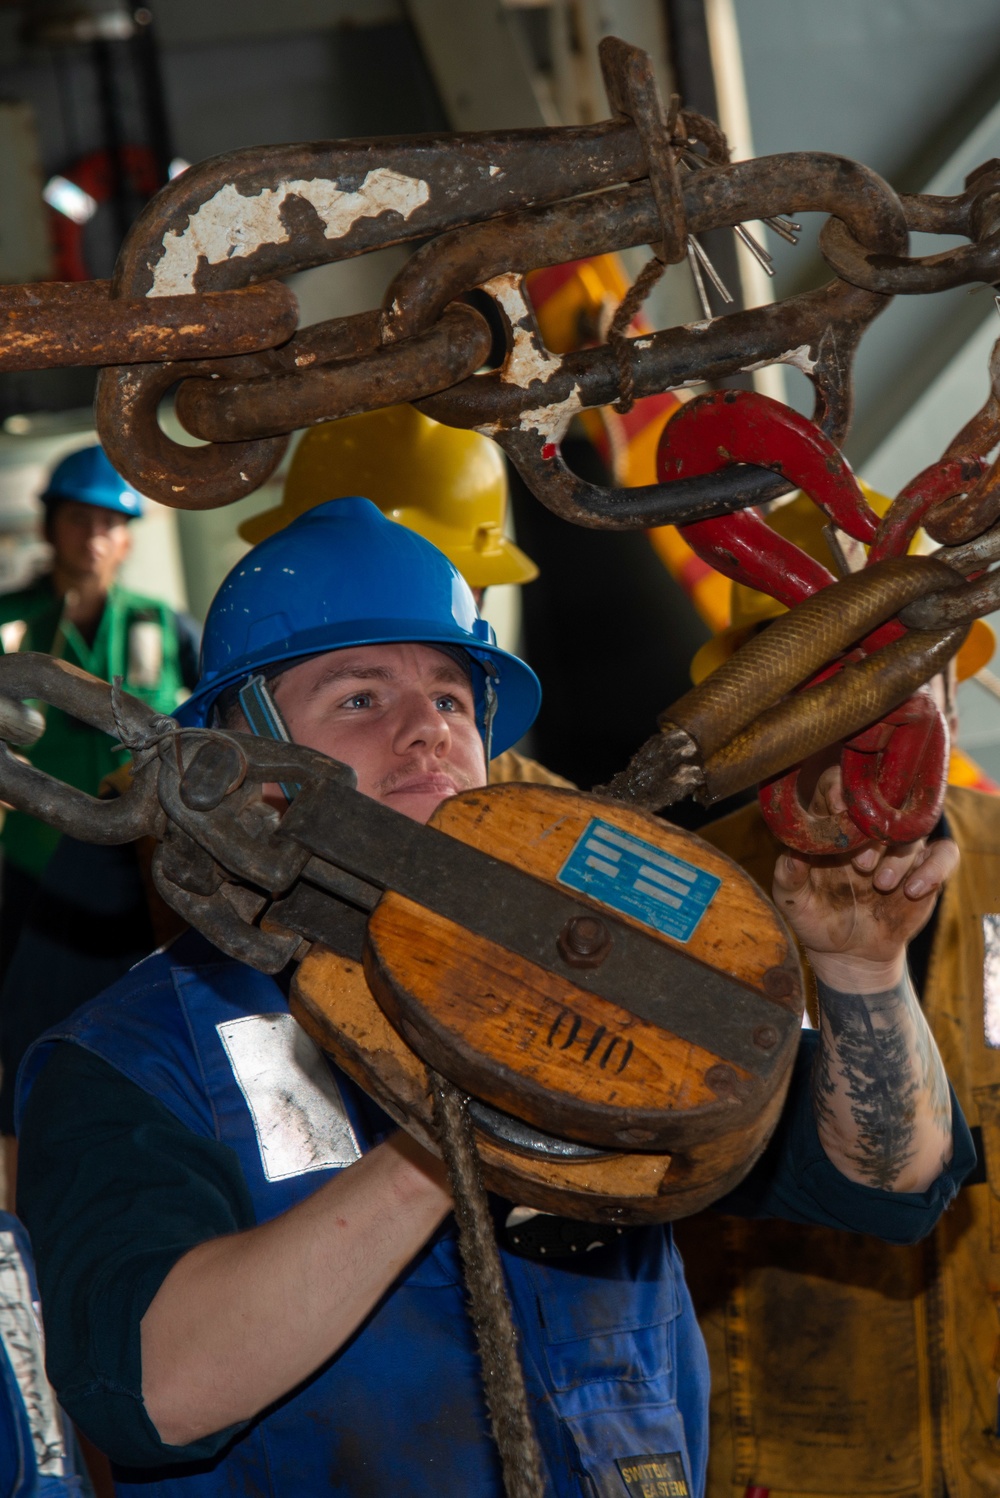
(878, 1054)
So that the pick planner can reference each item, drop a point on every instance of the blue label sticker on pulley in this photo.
(638, 879)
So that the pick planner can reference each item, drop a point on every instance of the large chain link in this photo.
(487, 208)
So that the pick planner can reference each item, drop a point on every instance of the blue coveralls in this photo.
(614, 1360)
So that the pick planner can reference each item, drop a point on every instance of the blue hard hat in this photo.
(88, 477)
(342, 574)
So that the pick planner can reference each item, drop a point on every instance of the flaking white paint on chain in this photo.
(528, 359)
(231, 226)
(552, 421)
(991, 980)
(801, 357)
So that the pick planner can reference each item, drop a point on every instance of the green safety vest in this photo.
(137, 640)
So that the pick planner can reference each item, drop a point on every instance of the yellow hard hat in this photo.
(448, 485)
(802, 522)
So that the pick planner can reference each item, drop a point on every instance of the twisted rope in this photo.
(137, 739)
(683, 128)
(618, 331)
(503, 1376)
(698, 127)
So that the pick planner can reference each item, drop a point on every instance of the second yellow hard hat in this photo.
(448, 485)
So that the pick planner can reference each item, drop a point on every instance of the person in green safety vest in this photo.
(78, 612)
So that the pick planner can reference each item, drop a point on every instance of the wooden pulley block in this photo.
(331, 1000)
(624, 1019)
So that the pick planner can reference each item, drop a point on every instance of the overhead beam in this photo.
(478, 62)
(912, 344)
(941, 409)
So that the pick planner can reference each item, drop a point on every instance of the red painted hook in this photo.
(739, 426)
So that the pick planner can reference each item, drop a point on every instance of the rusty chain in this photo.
(194, 304)
(744, 724)
(974, 214)
(486, 209)
(242, 411)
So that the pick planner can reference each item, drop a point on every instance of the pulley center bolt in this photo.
(584, 941)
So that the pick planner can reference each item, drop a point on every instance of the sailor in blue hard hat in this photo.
(329, 618)
(87, 477)
(251, 1278)
(341, 576)
(88, 507)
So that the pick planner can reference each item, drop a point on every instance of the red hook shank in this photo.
(744, 547)
(739, 426)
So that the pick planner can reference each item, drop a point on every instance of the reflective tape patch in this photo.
(639, 879)
(991, 979)
(297, 1110)
(21, 1337)
(12, 634)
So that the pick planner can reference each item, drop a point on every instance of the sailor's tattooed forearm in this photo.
(876, 1073)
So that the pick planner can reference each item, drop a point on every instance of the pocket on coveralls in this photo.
(605, 1329)
(632, 1452)
(609, 1341)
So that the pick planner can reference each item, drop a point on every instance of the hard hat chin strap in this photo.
(489, 709)
(264, 719)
